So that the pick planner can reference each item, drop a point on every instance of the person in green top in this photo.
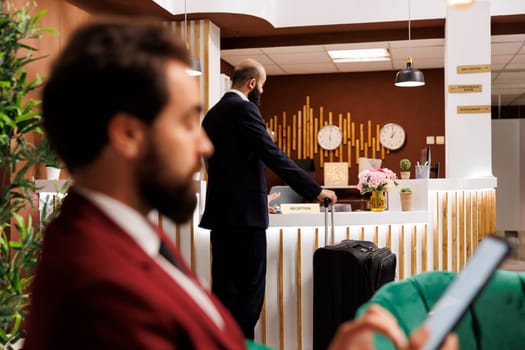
(358, 334)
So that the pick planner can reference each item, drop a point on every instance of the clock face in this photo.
(329, 137)
(392, 136)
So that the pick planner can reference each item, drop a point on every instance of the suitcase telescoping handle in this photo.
(326, 204)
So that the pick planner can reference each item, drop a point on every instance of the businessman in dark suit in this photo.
(236, 207)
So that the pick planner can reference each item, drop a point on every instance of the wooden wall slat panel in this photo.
(454, 232)
(298, 283)
(445, 230)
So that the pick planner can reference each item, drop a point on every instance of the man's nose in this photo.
(205, 145)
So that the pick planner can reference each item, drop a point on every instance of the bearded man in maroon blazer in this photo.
(123, 114)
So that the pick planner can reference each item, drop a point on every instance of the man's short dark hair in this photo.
(108, 66)
(242, 75)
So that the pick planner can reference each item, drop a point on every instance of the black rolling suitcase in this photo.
(345, 276)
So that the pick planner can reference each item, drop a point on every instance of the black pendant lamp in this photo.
(409, 76)
(195, 69)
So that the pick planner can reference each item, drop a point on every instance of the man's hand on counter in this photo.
(272, 209)
(327, 194)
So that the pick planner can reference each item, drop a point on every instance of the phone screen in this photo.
(462, 291)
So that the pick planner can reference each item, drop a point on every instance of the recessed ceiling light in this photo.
(361, 55)
(459, 2)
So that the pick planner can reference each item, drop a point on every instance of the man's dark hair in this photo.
(242, 75)
(108, 66)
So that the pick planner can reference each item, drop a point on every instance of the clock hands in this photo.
(329, 137)
(392, 131)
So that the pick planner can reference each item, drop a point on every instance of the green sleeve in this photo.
(251, 345)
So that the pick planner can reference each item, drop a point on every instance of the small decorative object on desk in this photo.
(378, 181)
(406, 199)
(404, 165)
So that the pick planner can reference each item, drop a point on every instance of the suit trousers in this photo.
(239, 273)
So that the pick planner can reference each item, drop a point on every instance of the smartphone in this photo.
(464, 289)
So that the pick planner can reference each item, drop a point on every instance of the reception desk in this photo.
(448, 219)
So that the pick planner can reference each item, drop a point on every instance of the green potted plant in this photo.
(406, 199)
(48, 157)
(19, 116)
(405, 165)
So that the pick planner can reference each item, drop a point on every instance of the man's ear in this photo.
(126, 134)
(252, 83)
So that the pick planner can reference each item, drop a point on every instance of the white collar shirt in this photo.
(243, 96)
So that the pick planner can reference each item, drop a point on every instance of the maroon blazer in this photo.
(95, 288)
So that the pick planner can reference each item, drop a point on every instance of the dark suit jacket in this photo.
(236, 195)
(95, 288)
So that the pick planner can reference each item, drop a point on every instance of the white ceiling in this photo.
(508, 61)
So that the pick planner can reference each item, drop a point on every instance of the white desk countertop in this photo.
(350, 218)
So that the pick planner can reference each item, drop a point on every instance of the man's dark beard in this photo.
(255, 96)
(175, 199)
(177, 202)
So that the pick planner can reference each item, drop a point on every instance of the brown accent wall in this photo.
(367, 96)
(60, 16)
(226, 68)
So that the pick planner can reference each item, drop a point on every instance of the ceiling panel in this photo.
(507, 48)
(512, 77)
(517, 60)
(241, 52)
(504, 59)
(302, 57)
(273, 69)
(418, 43)
(364, 66)
(508, 60)
(291, 49)
(236, 59)
(309, 68)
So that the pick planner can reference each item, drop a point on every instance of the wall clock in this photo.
(329, 137)
(392, 136)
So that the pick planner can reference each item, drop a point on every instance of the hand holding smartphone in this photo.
(464, 289)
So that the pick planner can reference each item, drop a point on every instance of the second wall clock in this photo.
(392, 136)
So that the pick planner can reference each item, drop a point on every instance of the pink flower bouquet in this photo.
(381, 179)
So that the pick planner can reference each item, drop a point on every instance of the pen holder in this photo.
(422, 171)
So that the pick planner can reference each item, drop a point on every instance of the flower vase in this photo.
(377, 201)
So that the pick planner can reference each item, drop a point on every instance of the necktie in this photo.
(168, 255)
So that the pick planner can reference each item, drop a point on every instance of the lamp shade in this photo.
(410, 77)
(195, 69)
